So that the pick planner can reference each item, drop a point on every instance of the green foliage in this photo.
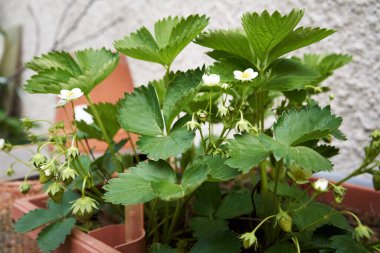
(159, 248)
(153, 179)
(235, 204)
(223, 241)
(108, 115)
(294, 128)
(59, 70)
(265, 31)
(204, 226)
(218, 169)
(55, 234)
(172, 35)
(345, 244)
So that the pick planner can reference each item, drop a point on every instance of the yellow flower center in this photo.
(245, 75)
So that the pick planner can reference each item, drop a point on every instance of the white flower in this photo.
(2, 144)
(243, 125)
(321, 185)
(70, 94)
(222, 111)
(191, 125)
(61, 103)
(225, 86)
(81, 114)
(247, 75)
(211, 80)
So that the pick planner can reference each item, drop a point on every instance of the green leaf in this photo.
(246, 151)
(54, 60)
(225, 67)
(128, 189)
(181, 90)
(162, 147)
(39, 217)
(108, 115)
(172, 36)
(155, 171)
(59, 70)
(224, 241)
(194, 175)
(294, 128)
(282, 246)
(139, 112)
(159, 248)
(287, 75)
(284, 189)
(299, 38)
(218, 169)
(207, 199)
(55, 234)
(316, 215)
(265, 31)
(345, 244)
(232, 41)
(204, 226)
(235, 204)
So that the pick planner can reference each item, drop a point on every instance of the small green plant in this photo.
(242, 185)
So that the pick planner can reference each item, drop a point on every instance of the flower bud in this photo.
(72, 152)
(284, 221)
(249, 240)
(68, 174)
(192, 124)
(55, 192)
(84, 207)
(339, 192)
(202, 116)
(25, 187)
(10, 171)
(222, 111)
(38, 159)
(362, 232)
(321, 185)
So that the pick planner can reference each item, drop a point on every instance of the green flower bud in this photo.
(10, 171)
(284, 221)
(72, 152)
(362, 232)
(339, 192)
(25, 187)
(68, 174)
(249, 240)
(55, 192)
(38, 159)
(202, 116)
(26, 123)
(84, 207)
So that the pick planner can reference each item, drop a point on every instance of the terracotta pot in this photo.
(110, 90)
(108, 239)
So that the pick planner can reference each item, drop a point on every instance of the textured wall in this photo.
(356, 87)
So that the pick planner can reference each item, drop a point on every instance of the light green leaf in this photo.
(139, 112)
(55, 234)
(235, 204)
(172, 36)
(294, 128)
(246, 151)
(218, 169)
(265, 31)
(181, 90)
(204, 226)
(194, 175)
(232, 41)
(287, 74)
(59, 70)
(299, 38)
(345, 244)
(128, 189)
(162, 147)
(207, 199)
(54, 60)
(223, 241)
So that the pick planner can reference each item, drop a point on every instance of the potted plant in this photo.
(217, 175)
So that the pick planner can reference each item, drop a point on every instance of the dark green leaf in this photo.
(294, 128)
(194, 175)
(287, 75)
(139, 112)
(246, 151)
(218, 169)
(55, 234)
(345, 244)
(265, 31)
(235, 204)
(282, 247)
(204, 226)
(284, 189)
(224, 241)
(159, 248)
(155, 171)
(207, 199)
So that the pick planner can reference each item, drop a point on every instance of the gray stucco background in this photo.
(356, 86)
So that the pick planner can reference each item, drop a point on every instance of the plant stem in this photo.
(174, 222)
(278, 167)
(264, 178)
